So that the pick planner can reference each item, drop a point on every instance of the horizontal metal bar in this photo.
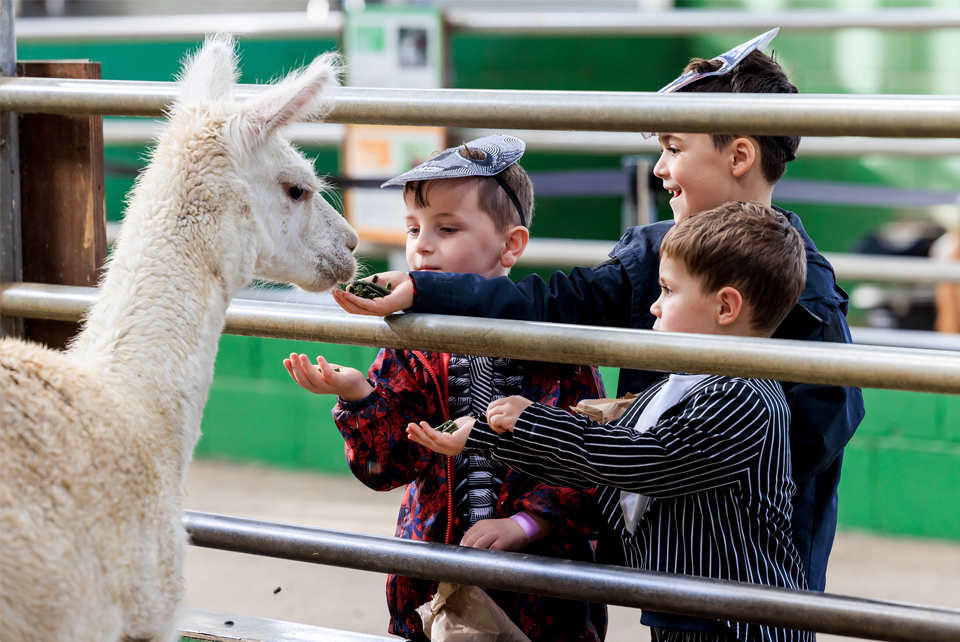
(125, 131)
(634, 143)
(133, 131)
(565, 254)
(295, 24)
(699, 597)
(827, 363)
(696, 21)
(897, 116)
(886, 196)
(618, 182)
(923, 339)
(904, 269)
(268, 24)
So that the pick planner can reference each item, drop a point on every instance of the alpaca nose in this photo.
(352, 241)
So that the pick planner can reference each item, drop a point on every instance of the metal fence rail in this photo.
(121, 131)
(700, 597)
(635, 143)
(781, 360)
(773, 114)
(300, 25)
(696, 21)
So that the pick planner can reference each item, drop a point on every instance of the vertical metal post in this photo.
(11, 255)
(641, 210)
(646, 212)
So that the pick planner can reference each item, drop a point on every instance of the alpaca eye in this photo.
(296, 192)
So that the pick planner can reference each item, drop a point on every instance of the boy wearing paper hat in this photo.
(701, 171)
(468, 211)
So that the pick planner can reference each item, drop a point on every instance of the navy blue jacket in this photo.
(619, 293)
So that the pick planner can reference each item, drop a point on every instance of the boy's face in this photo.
(696, 174)
(682, 306)
(452, 233)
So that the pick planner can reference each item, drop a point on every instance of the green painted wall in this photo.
(902, 469)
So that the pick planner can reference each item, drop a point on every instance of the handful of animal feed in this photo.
(448, 426)
(368, 289)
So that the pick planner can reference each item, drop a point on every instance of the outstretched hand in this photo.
(327, 379)
(502, 414)
(445, 443)
(400, 298)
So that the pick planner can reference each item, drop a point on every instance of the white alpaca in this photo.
(96, 440)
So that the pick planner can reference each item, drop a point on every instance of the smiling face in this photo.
(452, 233)
(696, 173)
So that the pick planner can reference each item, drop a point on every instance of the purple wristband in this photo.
(530, 527)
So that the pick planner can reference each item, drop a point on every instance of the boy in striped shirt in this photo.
(695, 477)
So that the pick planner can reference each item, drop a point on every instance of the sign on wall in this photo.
(379, 153)
(389, 48)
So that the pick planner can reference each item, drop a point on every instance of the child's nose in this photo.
(422, 246)
(660, 169)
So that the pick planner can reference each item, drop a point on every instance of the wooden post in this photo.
(63, 215)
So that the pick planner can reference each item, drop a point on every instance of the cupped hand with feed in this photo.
(445, 443)
(502, 414)
(399, 299)
(327, 378)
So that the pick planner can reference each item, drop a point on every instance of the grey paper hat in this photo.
(728, 61)
(501, 152)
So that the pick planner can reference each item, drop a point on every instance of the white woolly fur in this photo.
(96, 439)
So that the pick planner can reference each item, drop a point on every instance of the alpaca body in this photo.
(111, 578)
(96, 440)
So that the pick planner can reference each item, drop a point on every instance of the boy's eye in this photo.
(413, 230)
(448, 230)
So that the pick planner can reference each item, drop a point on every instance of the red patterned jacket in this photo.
(411, 386)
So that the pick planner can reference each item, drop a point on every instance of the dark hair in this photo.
(758, 73)
(493, 198)
(746, 246)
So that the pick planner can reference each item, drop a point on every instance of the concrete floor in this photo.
(905, 570)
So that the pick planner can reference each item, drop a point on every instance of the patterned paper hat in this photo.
(729, 60)
(500, 153)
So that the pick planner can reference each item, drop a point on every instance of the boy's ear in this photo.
(729, 305)
(744, 155)
(514, 245)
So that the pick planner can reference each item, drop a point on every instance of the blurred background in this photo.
(855, 196)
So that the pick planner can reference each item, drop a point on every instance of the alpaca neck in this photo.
(157, 322)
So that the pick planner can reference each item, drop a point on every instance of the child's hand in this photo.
(445, 443)
(502, 414)
(495, 534)
(324, 379)
(398, 300)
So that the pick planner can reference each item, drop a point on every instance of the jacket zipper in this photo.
(811, 313)
(446, 417)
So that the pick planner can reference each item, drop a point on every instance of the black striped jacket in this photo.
(716, 465)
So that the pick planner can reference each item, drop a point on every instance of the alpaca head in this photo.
(299, 238)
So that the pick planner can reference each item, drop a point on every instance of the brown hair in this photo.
(758, 73)
(493, 198)
(746, 246)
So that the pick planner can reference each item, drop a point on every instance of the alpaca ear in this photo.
(298, 97)
(211, 72)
